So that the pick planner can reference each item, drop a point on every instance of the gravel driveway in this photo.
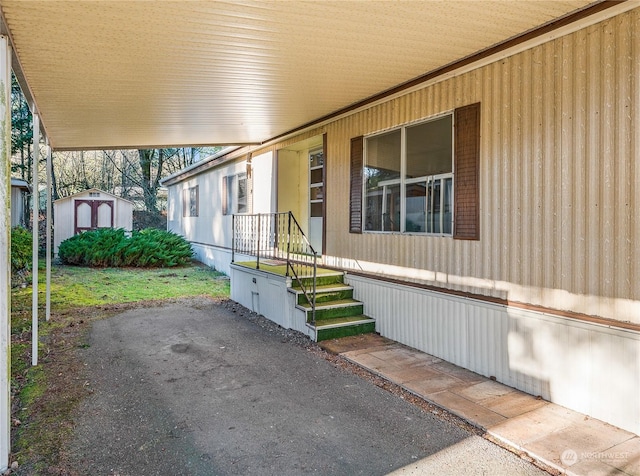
(204, 388)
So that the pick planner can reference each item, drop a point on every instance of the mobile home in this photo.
(487, 214)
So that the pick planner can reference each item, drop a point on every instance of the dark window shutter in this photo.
(225, 204)
(355, 205)
(467, 182)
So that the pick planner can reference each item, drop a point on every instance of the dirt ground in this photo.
(39, 440)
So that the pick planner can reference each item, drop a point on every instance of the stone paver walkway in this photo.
(561, 438)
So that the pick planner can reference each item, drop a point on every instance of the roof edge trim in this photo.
(92, 189)
(150, 146)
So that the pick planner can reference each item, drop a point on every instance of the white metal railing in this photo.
(278, 236)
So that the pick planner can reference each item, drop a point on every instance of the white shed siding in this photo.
(64, 210)
(559, 175)
(63, 222)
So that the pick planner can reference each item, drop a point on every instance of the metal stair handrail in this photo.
(278, 236)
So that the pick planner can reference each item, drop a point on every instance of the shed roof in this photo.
(91, 190)
(115, 74)
(16, 182)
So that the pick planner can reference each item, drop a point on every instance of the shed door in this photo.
(92, 214)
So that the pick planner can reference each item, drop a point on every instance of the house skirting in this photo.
(215, 257)
(588, 367)
(267, 294)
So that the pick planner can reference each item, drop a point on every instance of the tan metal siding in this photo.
(560, 181)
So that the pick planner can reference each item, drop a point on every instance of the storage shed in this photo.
(89, 210)
(19, 191)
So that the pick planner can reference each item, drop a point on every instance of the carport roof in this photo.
(116, 74)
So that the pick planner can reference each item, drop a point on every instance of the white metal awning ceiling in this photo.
(117, 74)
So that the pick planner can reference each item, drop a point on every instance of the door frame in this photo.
(306, 185)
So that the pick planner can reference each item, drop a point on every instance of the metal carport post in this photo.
(5, 252)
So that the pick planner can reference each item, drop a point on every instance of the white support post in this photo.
(5, 252)
(35, 220)
(49, 214)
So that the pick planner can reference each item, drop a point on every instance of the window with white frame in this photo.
(408, 179)
(235, 194)
(190, 203)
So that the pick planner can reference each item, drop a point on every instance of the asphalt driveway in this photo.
(197, 388)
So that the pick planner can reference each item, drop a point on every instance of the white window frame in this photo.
(235, 204)
(315, 185)
(403, 182)
(191, 202)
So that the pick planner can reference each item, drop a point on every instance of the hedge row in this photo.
(108, 247)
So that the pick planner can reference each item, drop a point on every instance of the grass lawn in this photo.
(44, 397)
(74, 286)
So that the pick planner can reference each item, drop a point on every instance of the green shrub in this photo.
(21, 248)
(152, 248)
(93, 248)
(114, 248)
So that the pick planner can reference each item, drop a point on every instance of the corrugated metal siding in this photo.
(587, 367)
(560, 180)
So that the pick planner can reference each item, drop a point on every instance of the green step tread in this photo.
(326, 288)
(321, 281)
(326, 295)
(361, 319)
(332, 304)
(336, 332)
(333, 312)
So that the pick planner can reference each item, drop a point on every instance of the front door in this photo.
(302, 189)
(92, 214)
